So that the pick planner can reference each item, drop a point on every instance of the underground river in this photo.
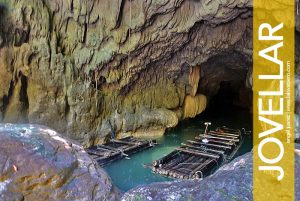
(129, 173)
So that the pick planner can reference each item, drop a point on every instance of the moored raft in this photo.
(118, 149)
(199, 157)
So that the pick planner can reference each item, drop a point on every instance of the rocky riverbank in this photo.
(38, 164)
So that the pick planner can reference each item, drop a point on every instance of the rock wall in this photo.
(73, 65)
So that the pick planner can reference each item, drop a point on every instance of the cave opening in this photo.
(225, 97)
(225, 81)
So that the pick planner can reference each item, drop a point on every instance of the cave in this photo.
(225, 96)
(225, 80)
(87, 81)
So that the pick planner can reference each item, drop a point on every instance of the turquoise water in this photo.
(129, 173)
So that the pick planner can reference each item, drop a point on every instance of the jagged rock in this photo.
(136, 124)
(38, 164)
(72, 64)
(233, 181)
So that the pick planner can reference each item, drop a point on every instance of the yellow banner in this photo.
(273, 101)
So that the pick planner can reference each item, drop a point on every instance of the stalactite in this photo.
(194, 105)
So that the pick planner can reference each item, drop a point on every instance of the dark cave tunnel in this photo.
(225, 80)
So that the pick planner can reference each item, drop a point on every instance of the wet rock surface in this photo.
(233, 181)
(38, 164)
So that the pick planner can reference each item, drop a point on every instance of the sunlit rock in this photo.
(142, 122)
(39, 164)
(194, 105)
(194, 78)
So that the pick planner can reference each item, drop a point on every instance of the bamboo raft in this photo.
(197, 158)
(118, 149)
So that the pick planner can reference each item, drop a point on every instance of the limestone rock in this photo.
(194, 78)
(71, 64)
(36, 163)
(194, 105)
(145, 122)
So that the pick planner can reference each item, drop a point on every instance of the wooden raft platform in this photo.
(118, 149)
(197, 158)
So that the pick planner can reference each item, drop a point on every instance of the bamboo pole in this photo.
(219, 138)
(210, 145)
(231, 130)
(168, 169)
(224, 133)
(200, 168)
(204, 148)
(215, 141)
(94, 152)
(198, 153)
(107, 147)
(125, 142)
(176, 160)
(164, 159)
(190, 159)
(191, 165)
(224, 136)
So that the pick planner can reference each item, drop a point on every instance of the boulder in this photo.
(37, 163)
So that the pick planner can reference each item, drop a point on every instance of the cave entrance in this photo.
(225, 97)
(225, 82)
(222, 80)
(230, 97)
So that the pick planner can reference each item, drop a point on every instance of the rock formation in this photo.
(233, 181)
(38, 164)
(193, 105)
(297, 108)
(73, 65)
